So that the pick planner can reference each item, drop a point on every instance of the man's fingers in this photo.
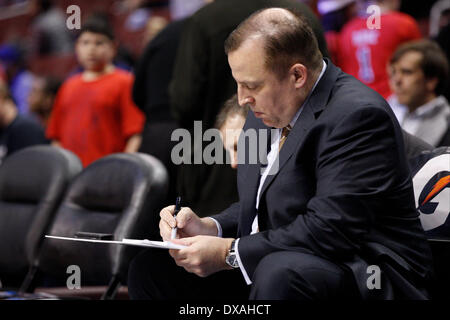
(166, 214)
(164, 230)
(184, 241)
(184, 216)
(173, 253)
(177, 255)
(168, 209)
(186, 221)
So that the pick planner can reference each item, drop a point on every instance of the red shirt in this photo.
(365, 53)
(95, 118)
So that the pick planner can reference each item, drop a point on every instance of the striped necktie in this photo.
(284, 134)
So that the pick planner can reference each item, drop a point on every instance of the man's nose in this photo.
(244, 98)
(245, 101)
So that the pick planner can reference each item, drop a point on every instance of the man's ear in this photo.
(299, 74)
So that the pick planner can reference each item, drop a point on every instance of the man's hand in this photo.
(187, 223)
(203, 256)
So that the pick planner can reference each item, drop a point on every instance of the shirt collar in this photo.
(428, 107)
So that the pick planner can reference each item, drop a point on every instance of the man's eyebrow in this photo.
(249, 82)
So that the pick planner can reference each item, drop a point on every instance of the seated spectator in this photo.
(418, 74)
(93, 114)
(49, 34)
(16, 131)
(439, 17)
(41, 98)
(364, 53)
(19, 78)
(230, 122)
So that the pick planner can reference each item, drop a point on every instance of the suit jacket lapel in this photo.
(311, 110)
(251, 180)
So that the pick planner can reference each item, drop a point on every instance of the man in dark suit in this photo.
(333, 206)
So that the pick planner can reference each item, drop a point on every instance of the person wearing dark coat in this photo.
(151, 95)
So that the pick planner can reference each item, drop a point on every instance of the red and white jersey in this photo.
(365, 53)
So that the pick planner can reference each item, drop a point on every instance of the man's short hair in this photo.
(434, 63)
(98, 23)
(287, 40)
(231, 108)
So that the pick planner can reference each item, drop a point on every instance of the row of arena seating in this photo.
(45, 190)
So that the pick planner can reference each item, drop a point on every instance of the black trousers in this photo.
(282, 275)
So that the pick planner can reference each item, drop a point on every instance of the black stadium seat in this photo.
(32, 183)
(431, 179)
(120, 194)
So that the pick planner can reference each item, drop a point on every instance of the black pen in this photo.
(177, 209)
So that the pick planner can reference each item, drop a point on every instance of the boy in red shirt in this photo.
(93, 114)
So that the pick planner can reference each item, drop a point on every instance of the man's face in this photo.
(94, 51)
(408, 81)
(230, 132)
(272, 100)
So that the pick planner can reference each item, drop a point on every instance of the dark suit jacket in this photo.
(343, 192)
(154, 72)
(151, 95)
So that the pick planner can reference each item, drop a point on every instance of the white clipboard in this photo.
(131, 242)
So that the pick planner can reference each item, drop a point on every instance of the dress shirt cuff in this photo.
(219, 228)
(241, 266)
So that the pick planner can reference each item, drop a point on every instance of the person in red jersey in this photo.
(93, 114)
(365, 46)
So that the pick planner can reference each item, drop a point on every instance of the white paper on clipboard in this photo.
(131, 242)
